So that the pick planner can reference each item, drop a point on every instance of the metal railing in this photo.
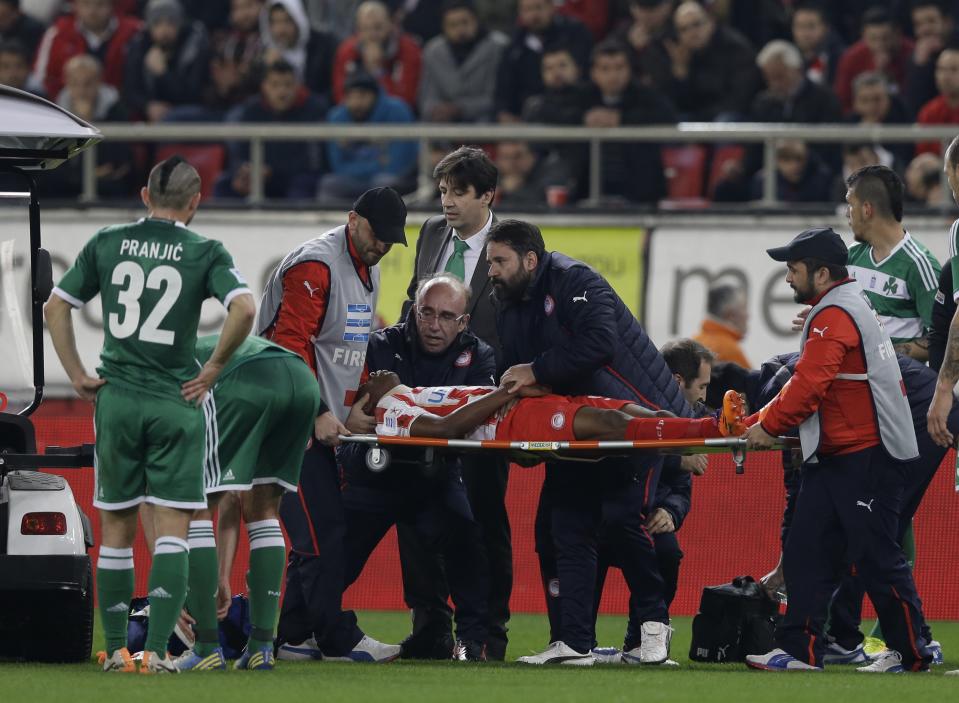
(257, 134)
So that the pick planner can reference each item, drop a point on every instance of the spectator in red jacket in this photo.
(380, 49)
(943, 109)
(93, 28)
(882, 48)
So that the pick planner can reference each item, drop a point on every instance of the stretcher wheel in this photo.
(739, 459)
(377, 459)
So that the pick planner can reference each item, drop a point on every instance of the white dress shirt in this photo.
(472, 255)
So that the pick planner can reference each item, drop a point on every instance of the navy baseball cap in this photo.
(821, 243)
(386, 212)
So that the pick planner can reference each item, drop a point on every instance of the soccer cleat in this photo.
(888, 661)
(191, 661)
(732, 418)
(835, 654)
(307, 650)
(936, 650)
(778, 660)
(607, 655)
(368, 650)
(120, 661)
(469, 651)
(559, 653)
(257, 660)
(654, 646)
(153, 664)
(873, 646)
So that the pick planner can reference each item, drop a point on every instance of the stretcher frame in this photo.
(379, 456)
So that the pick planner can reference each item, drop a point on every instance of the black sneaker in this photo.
(469, 651)
(427, 645)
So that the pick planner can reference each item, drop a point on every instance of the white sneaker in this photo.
(653, 647)
(307, 650)
(835, 654)
(778, 660)
(886, 662)
(559, 653)
(607, 655)
(152, 663)
(369, 650)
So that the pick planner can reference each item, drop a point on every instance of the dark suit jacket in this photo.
(434, 236)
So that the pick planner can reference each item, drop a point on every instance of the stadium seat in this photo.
(685, 168)
(207, 159)
(721, 156)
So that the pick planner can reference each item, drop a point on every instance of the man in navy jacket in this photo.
(561, 324)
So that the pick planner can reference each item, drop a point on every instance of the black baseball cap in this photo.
(821, 243)
(386, 212)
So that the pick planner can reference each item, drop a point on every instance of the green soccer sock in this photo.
(909, 549)
(114, 591)
(267, 557)
(167, 590)
(201, 596)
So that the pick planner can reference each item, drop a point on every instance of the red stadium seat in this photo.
(721, 156)
(207, 159)
(685, 168)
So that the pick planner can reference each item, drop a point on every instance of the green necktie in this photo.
(457, 264)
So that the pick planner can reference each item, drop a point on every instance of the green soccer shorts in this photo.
(260, 419)
(149, 448)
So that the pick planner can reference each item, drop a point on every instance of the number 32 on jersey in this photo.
(129, 276)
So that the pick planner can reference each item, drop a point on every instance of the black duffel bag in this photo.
(734, 619)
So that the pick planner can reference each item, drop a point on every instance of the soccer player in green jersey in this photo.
(260, 413)
(152, 277)
(898, 273)
(899, 276)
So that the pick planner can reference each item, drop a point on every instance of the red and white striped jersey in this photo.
(397, 410)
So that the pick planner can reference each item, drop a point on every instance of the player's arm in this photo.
(236, 328)
(941, 404)
(59, 316)
(461, 420)
(924, 288)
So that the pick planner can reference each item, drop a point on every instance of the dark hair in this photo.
(876, 15)
(811, 6)
(880, 186)
(556, 49)
(685, 356)
(13, 3)
(279, 66)
(719, 296)
(468, 166)
(15, 46)
(522, 237)
(952, 153)
(943, 8)
(609, 47)
(450, 5)
(837, 272)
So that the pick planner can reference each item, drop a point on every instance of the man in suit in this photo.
(456, 242)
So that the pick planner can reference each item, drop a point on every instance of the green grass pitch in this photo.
(448, 682)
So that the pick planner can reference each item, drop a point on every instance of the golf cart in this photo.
(46, 581)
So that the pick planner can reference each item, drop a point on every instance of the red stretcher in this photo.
(379, 457)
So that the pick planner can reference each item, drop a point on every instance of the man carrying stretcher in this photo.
(487, 413)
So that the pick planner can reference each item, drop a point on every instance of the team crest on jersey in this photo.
(359, 322)
(549, 304)
(464, 359)
(940, 298)
(557, 421)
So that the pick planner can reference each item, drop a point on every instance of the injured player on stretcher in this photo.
(488, 413)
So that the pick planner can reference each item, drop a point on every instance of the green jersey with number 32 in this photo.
(152, 276)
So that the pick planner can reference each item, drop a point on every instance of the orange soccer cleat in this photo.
(120, 661)
(732, 420)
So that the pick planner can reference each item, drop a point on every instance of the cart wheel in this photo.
(377, 459)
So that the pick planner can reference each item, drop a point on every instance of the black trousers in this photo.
(581, 528)
(425, 582)
(440, 530)
(845, 613)
(847, 513)
(316, 569)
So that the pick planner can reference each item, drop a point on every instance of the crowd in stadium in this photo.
(599, 63)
